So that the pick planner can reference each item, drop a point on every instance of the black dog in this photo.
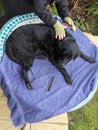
(38, 40)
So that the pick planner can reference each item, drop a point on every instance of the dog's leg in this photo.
(62, 70)
(28, 85)
(26, 64)
(87, 58)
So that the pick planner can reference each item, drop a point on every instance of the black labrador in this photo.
(37, 41)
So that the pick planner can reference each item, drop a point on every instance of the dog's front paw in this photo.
(29, 86)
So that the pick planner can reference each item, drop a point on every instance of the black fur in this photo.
(37, 41)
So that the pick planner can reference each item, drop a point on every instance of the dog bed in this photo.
(29, 106)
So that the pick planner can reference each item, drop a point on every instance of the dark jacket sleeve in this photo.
(62, 9)
(44, 14)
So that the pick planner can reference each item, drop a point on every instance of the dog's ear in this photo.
(59, 43)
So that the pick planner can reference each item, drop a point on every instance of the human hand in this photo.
(70, 22)
(59, 30)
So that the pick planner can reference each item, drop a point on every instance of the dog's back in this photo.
(25, 40)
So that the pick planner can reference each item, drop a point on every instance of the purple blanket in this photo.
(38, 104)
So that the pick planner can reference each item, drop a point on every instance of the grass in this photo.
(85, 118)
(1, 9)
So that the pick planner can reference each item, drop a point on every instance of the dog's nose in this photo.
(61, 64)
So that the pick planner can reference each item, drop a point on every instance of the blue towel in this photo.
(29, 106)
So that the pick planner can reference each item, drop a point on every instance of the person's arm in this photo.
(44, 14)
(62, 8)
(64, 13)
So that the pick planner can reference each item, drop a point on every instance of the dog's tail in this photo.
(11, 54)
(87, 58)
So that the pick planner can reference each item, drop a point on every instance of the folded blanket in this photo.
(38, 104)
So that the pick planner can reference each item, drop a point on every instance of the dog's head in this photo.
(69, 50)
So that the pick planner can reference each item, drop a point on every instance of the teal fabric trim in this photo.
(14, 23)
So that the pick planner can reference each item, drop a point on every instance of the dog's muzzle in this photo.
(62, 63)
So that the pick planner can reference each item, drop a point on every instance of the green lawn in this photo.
(1, 9)
(85, 118)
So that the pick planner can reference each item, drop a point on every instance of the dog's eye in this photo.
(68, 55)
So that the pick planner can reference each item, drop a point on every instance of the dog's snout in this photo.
(63, 62)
